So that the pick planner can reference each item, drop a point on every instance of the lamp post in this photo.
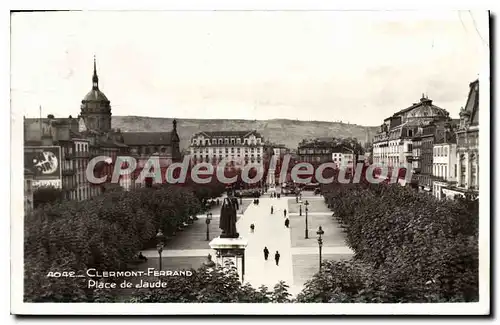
(307, 230)
(207, 221)
(320, 233)
(300, 208)
(160, 243)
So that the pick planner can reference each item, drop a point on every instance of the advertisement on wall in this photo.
(45, 164)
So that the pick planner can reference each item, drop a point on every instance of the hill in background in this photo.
(283, 131)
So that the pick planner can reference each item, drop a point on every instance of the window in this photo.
(220, 141)
(238, 141)
(462, 170)
(473, 168)
(226, 141)
(232, 141)
(214, 141)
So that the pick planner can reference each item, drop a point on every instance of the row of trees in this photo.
(409, 247)
(104, 232)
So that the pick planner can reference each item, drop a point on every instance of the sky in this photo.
(356, 67)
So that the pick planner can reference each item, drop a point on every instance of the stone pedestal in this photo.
(230, 249)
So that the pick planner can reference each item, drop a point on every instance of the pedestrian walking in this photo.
(272, 209)
(277, 258)
(266, 253)
(252, 228)
(284, 212)
(287, 222)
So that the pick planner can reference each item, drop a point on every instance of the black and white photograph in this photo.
(226, 162)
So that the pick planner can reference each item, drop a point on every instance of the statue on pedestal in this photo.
(227, 221)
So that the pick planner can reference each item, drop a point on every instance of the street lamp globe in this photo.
(320, 232)
(160, 238)
(209, 216)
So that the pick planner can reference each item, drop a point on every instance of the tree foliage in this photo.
(104, 232)
(210, 285)
(409, 247)
(46, 195)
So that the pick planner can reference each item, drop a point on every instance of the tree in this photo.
(47, 195)
(217, 285)
(409, 247)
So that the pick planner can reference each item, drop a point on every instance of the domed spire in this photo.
(95, 79)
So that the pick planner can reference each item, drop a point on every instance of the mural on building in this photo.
(45, 164)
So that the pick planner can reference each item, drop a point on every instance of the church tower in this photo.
(95, 108)
(174, 139)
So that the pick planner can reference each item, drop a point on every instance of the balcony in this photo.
(82, 154)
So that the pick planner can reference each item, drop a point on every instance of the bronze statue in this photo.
(209, 262)
(228, 218)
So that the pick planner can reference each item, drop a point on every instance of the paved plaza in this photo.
(299, 258)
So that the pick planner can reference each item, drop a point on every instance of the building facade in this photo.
(467, 147)
(444, 169)
(241, 147)
(28, 191)
(343, 159)
(393, 144)
(278, 153)
(91, 135)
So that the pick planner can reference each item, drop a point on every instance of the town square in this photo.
(326, 159)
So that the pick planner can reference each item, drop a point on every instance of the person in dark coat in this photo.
(284, 212)
(266, 253)
(287, 222)
(272, 209)
(277, 257)
(142, 257)
(252, 227)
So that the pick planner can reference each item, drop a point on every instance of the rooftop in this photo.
(147, 138)
(234, 134)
